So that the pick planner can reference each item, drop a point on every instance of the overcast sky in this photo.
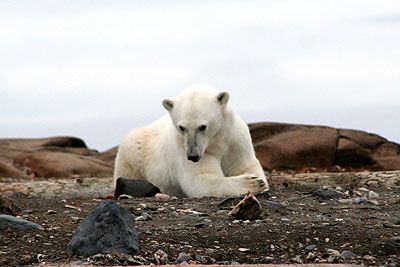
(95, 69)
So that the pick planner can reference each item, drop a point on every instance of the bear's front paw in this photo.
(253, 183)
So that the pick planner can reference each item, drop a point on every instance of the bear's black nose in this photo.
(194, 158)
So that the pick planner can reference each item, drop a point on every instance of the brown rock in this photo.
(11, 148)
(59, 164)
(108, 156)
(298, 147)
(294, 146)
(8, 171)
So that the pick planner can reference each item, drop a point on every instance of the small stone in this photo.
(327, 194)
(311, 247)
(51, 212)
(183, 257)
(372, 195)
(204, 259)
(244, 249)
(333, 252)
(160, 257)
(143, 217)
(310, 256)
(207, 221)
(162, 197)
(369, 258)
(125, 196)
(199, 225)
(297, 259)
(347, 254)
(236, 221)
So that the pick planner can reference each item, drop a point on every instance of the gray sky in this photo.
(96, 69)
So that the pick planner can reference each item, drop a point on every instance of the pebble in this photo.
(369, 258)
(311, 247)
(244, 249)
(297, 259)
(310, 256)
(347, 254)
(372, 195)
(51, 212)
(183, 257)
(125, 196)
(207, 221)
(143, 217)
(160, 257)
(333, 252)
(160, 197)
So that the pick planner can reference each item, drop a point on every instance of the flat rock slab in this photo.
(107, 229)
(8, 221)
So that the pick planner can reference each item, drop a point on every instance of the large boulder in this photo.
(61, 156)
(107, 229)
(60, 164)
(294, 146)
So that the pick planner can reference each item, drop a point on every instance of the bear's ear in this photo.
(168, 104)
(223, 98)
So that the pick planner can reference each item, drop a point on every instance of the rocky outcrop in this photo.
(294, 146)
(278, 146)
(51, 157)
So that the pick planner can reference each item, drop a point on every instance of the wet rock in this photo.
(183, 257)
(8, 221)
(347, 254)
(135, 188)
(160, 257)
(247, 209)
(327, 194)
(7, 206)
(107, 229)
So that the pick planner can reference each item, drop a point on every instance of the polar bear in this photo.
(202, 148)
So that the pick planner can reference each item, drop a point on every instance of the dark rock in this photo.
(347, 254)
(310, 247)
(272, 204)
(107, 229)
(8, 221)
(59, 164)
(183, 257)
(247, 209)
(7, 206)
(135, 188)
(327, 194)
(204, 259)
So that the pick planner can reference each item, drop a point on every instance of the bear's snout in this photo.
(195, 158)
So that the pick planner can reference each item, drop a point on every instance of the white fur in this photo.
(159, 153)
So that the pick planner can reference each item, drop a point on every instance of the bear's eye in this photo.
(181, 128)
(202, 127)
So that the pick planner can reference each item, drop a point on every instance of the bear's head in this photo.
(197, 114)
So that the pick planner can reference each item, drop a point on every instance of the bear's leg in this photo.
(206, 178)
